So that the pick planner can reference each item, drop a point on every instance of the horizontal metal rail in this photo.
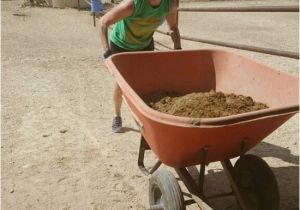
(269, 51)
(292, 8)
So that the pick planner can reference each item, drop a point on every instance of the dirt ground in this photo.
(57, 148)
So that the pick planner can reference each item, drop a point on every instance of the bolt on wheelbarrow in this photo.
(183, 142)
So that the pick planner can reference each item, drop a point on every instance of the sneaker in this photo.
(117, 124)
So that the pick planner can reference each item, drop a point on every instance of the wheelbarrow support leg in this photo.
(195, 190)
(229, 172)
(202, 169)
(143, 147)
(243, 147)
(94, 19)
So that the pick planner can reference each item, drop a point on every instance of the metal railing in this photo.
(270, 51)
(293, 8)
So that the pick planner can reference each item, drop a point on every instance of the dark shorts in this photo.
(115, 49)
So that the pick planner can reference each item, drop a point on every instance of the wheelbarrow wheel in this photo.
(165, 192)
(257, 183)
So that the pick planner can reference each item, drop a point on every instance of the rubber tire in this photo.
(256, 180)
(164, 188)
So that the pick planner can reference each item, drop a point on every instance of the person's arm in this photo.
(121, 11)
(172, 24)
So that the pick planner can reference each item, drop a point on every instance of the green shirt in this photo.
(135, 32)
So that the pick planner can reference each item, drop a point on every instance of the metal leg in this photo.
(229, 172)
(94, 19)
(195, 190)
(202, 169)
(143, 147)
(188, 180)
(243, 147)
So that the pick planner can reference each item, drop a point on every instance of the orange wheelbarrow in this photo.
(182, 142)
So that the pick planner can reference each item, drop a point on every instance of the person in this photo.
(135, 22)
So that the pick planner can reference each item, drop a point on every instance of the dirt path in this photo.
(57, 148)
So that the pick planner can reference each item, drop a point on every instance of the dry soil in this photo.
(57, 148)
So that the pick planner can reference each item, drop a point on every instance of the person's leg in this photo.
(117, 97)
(117, 120)
(117, 100)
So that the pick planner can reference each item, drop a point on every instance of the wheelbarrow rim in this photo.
(144, 109)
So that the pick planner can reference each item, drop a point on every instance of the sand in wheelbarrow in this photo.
(202, 104)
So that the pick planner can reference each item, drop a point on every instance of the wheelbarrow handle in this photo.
(136, 120)
(139, 125)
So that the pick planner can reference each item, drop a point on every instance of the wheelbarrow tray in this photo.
(177, 141)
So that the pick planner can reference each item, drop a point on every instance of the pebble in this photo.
(47, 135)
(63, 131)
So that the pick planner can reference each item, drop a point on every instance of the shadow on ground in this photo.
(287, 179)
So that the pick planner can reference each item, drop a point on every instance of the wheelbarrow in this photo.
(183, 142)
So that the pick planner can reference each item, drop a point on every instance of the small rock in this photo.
(61, 179)
(12, 191)
(47, 135)
(19, 14)
(63, 130)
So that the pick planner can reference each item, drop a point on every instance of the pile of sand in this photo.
(202, 104)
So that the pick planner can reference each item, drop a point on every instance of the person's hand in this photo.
(107, 54)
